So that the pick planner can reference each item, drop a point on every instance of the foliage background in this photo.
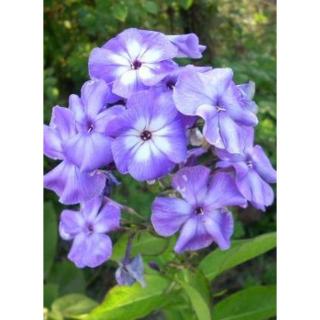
(239, 34)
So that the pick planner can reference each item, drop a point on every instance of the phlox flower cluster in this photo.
(142, 114)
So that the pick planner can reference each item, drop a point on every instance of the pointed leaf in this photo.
(73, 305)
(241, 251)
(199, 304)
(255, 303)
(132, 302)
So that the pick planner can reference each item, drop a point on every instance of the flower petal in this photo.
(89, 151)
(127, 84)
(193, 236)
(192, 183)
(104, 118)
(262, 164)
(77, 108)
(152, 73)
(129, 273)
(73, 186)
(233, 100)
(172, 141)
(151, 110)
(70, 225)
(190, 91)
(148, 162)
(188, 45)
(63, 121)
(222, 191)
(158, 47)
(230, 133)
(52, 143)
(122, 149)
(136, 269)
(247, 90)
(108, 218)
(94, 94)
(107, 65)
(219, 225)
(90, 251)
(255, 189)
(211, 129)
(168, 215)
(90, 208)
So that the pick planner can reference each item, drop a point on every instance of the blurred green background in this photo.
(238, 34)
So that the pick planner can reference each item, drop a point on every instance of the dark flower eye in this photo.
(136, 64)
(146, 135)
(199, 211)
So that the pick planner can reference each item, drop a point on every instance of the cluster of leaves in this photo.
(241, 36)
(179, 289)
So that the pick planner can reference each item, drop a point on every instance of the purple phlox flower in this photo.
(149, 137)
(133, 60)
(188, 45)
(90, 148)
(87, 229)
(253, 171)
(213, 96)
(131, 271)
(201, 215)
(66, 180)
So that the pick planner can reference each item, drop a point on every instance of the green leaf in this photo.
(255, 303)
(185, 4)
(120, 11)
(50, 236)
(69, 278)
(242, 250)
(199, 304)
(179, 314)
(132, 302)
(196, 287)
(144, 243)
(151, 7)
(73, 306)
(196, 280)
(50, 292)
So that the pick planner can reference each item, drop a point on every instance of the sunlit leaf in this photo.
(199, 305)
(132, 302)
(255, 303)
(241, 251)
(73, 305)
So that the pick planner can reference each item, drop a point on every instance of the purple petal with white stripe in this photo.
(262, 164)
(168, 215)
(191, 183)
(90, 251)
(188, 45)
(89, 151)
(73, 186)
